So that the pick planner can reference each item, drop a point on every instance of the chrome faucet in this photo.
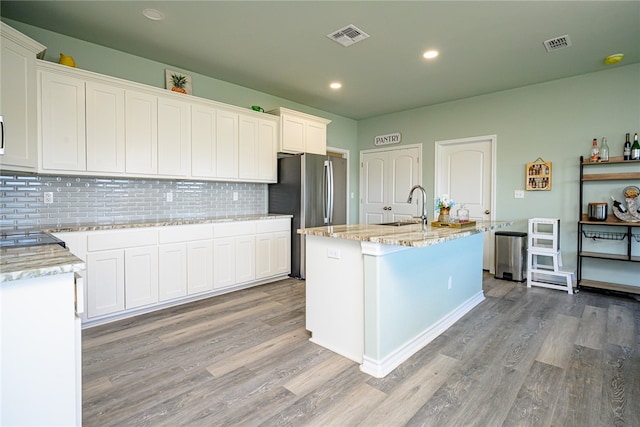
(424, 203)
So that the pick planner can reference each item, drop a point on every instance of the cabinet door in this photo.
(226, 145)
(199, 266)
(245, 259)
(267, 150)
(281, 252)
(173, 137)
(224, 262)
(105, 282)
(203, 141)
(105, 128)
(292, 134)
(172, 271)
(316, 138)
(248, 146)
(141, 276)
(264, 255)
(18, 107)
(141, 133)
(63, 122)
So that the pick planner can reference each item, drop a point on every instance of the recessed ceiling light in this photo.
(335, 85)
(430, 54)
(614, 59)
(153, 14)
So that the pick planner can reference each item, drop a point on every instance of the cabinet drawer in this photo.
(185, 233)
(106, 240)
(238, 228)
(273, 225)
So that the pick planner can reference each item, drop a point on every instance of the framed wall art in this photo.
(178, 82)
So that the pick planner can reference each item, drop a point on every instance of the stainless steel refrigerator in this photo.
(312, 188)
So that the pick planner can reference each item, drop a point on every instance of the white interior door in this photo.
(386, 177)
(464, 169)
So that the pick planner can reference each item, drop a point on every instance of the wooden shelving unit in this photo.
(538, 176)
(623, 230)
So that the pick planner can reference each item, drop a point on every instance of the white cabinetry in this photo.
(173, 137)
(233, 253)
(62, 122)
(226, 144)
(18, 100)
(203, 141)
(116, 258)
(257, 149)
(143, 269)
(105, 127)
(186, 256)
(301, 133)
(141, 133)
(273, 248)
(140, 276)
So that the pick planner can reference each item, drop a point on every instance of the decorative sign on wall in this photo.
(392, 138)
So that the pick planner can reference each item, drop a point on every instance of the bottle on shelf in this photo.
(635, 148)
(627, 148)
(595, 151)
(619, 205)
(604, 150)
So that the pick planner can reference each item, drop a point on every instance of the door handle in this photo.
(386, 208)
(487, 212)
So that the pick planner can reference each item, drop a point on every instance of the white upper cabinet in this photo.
(173, 137)
(301, 133)
(141, 133)
(18, 100)
(203, 141)
(226, 144)
(105, 128)
(62, 115)
(257, 149)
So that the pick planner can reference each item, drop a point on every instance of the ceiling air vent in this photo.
(348, 35)
(557, 43)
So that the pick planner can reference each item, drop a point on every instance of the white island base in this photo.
(378, 304)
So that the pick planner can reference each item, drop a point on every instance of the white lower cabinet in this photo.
(233, 253)
(199, 266)
(140, 276)
(273, 248)
(141, 269)
(105, 282)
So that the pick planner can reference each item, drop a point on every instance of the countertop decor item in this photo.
(444, 204)
(538, 175)
(178, 82)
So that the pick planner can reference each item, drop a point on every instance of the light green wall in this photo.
(555, 120)
(341, 133)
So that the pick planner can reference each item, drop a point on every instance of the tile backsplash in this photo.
(85, 200)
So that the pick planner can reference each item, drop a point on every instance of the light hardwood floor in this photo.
(535, 357)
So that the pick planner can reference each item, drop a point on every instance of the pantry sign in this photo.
(392, 138)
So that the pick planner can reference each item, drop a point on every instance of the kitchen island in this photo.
(378, 294)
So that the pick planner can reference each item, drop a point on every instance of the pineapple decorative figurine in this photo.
(179, 82)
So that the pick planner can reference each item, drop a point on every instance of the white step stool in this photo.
(544, 245)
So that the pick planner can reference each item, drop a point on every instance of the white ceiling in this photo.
(281, 48)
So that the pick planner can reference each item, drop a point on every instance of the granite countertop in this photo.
(405, 235)
(161, 223)
(37, 261)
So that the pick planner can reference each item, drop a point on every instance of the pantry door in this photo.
(386, 177)
(465, 169)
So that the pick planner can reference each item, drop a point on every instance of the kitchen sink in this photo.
(398, 223)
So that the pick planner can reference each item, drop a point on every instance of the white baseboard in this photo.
(380, 368)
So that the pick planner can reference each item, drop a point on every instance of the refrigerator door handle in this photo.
(1, 136)
(327, 199)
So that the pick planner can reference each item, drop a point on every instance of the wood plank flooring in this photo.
(523, 357)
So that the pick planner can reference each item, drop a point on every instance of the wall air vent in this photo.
(557, 43)
(348, 35)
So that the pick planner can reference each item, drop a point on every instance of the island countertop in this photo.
(37, 261)
(405, 235)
